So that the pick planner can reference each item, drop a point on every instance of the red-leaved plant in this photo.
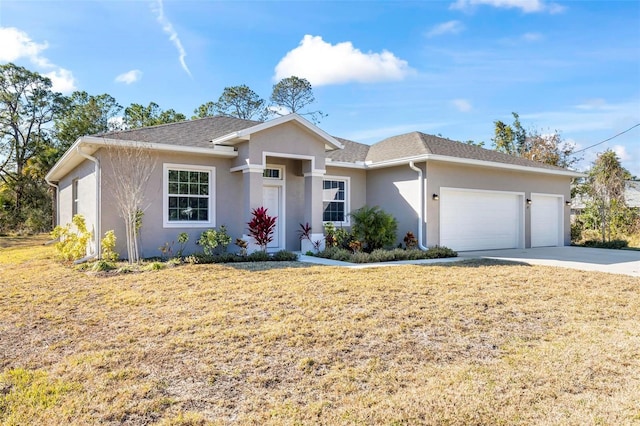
(261, 227)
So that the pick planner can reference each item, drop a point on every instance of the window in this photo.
(335, 200)
(272, 173)
(188, 199)
(74, 197)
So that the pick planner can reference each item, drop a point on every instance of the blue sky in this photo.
(378, 68)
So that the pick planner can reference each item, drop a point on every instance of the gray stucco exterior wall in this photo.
(227, 203)
(441, 174)
(86, 201)
(396, 190)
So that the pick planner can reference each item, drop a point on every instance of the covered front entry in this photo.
(546, 220)
(481, 220)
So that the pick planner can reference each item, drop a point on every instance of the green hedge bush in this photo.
(380, 255)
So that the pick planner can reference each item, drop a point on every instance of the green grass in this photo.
(476, 342)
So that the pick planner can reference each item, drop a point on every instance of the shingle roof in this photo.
(351, 153)
(200, 132)
(195, 133)
(417, 143)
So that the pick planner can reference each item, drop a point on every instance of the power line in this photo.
(606, 140)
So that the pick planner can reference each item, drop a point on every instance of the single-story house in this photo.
(631, 197)
(213, 171)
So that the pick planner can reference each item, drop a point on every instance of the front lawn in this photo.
(464, 343)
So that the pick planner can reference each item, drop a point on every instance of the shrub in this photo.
(183, 239)
(72, 245)
(335, 253)
(285, 256)
(410, 241)
(102, 266)
(262, 227)
(166, 250)
(439, 252)
(381, 255)
(155, 266)
(214, 241)
(576, 231)
(613, 244)
(108, 246)
(330, 235)
(374, 227)
(243, 246)
(258, 256)
(338, 237)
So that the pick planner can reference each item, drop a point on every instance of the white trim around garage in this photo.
(547, 220)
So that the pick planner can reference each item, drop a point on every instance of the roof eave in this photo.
(471, 162)
(517, 167)
(346, 164)
(72, 158)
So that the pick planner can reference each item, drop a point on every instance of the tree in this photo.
(533, 145)
(291, 95)
(235, 101)
(131, 168)
(85, 114)
(27, 107)
(510, 139)
(605, 187)
(204, 110)
(136, 115)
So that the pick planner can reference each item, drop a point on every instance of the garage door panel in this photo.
(546, 217)
(474, 220)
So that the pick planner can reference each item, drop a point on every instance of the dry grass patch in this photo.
(466, 343)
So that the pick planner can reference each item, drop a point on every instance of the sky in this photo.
(378, 68)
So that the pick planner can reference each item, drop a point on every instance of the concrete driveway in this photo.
(626, 262)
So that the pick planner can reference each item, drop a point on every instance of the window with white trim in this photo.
(272, 173)
(188, 195)
(335, 198)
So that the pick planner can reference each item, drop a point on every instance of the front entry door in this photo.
(272, 201)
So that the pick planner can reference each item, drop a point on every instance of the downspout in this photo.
(98, 216)
(422, 206)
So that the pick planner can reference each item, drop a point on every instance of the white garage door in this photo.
(546, 220)
(480, 220)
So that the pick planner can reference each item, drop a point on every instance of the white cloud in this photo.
(621, 152)
(532, 37)
(593, 104)
(167, 27)
(16, 44)
(323, 63)
(527, 6)
(462, 105)
(129, 77)
(449, 27)
(61, 80)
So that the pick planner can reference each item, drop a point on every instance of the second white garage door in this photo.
(546, 220)
(481, 220)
